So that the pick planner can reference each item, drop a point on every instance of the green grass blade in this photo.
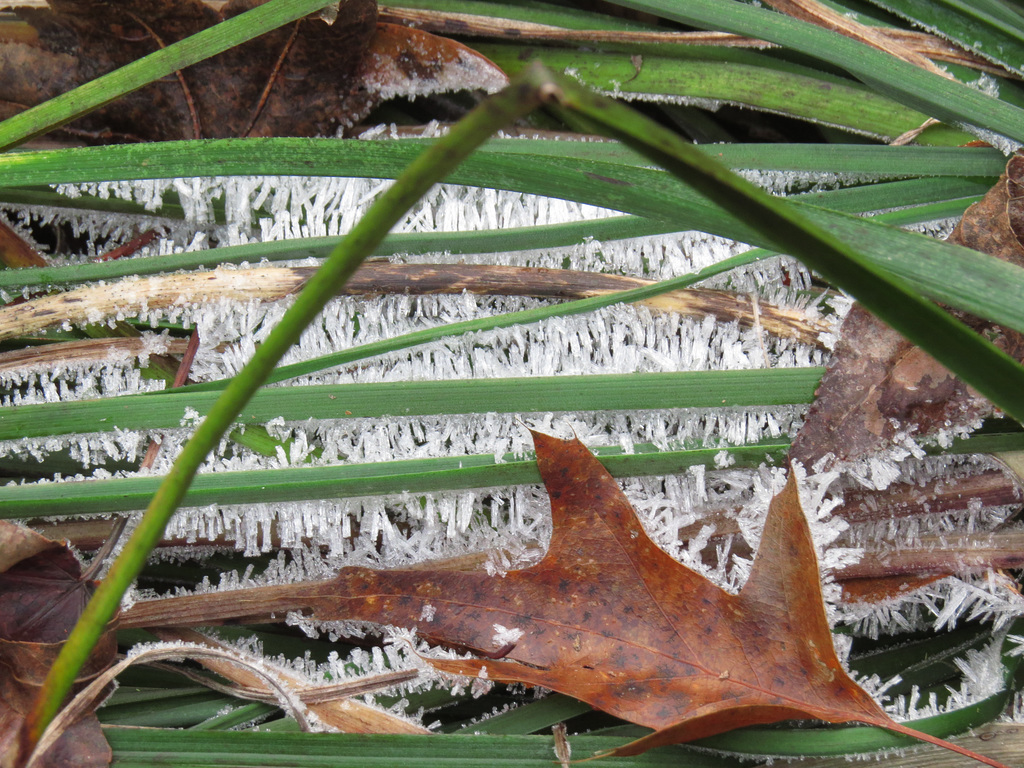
(85, 497)
(495, 162)
(618, 391)
(946, 100)
(532, 717)
(535, 12)
(475, 242)
(125, 494)
(733, 77)
(141, 749)
(217, 39)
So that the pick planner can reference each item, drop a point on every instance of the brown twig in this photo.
(271, 80)
(152, 451)
(197, 130)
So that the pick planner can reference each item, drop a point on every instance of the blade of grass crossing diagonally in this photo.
(979, 362)
(429, 168)
(209, 42)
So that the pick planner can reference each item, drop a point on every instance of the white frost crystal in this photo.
(513, 523)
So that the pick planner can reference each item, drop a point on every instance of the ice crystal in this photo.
(313, 538)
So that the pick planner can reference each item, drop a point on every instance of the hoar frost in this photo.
(314, 538)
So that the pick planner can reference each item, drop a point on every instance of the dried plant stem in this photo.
(451, 23)
(328, 702)
(85, 304)
(53, 357)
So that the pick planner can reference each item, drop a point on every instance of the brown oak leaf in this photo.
(606, 617)
(42, 594)
(304, 79)
(609, 618)
(879, 389)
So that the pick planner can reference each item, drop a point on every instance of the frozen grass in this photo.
(299, 539)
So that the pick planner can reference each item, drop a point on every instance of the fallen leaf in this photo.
(305, 79)
(41, 597)
(879, 389)
(878, 392)
(609, 618)
(995, 224)
(15, 252)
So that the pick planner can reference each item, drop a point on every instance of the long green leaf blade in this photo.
(946, 100)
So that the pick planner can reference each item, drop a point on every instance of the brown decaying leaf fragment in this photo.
(611, 619)
(41, 597)
(304, 79)
(879, 386)
(15, 252)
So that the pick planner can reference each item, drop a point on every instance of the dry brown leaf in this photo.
(607, 617)
(879, 388)
(41, 597)
(306, 79)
